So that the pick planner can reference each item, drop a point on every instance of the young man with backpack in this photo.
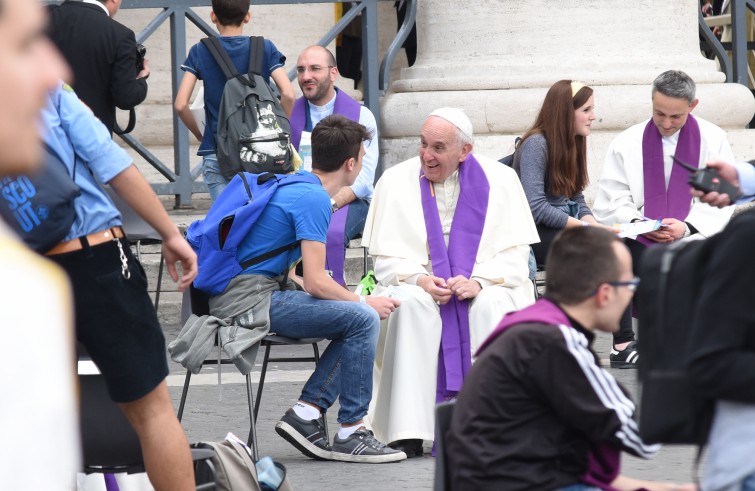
(262, 298)
(229, 16)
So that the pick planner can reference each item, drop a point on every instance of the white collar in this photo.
(95, 2)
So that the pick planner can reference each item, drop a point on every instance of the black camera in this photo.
(141, 52)
(708, 179)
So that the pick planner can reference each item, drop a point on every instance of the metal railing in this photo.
(736, 68)
(182, 178)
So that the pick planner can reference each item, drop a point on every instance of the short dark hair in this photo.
(230, 12)
(336, 139)
(580, 259)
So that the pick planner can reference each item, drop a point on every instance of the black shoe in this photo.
(626, 358)
(307, 436)
(412, 448)
(362, 447)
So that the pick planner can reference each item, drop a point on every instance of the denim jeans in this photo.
(749, 483)
(579, 487)
(355, 220)
(571, 208)
(345, 368)
(214, 179)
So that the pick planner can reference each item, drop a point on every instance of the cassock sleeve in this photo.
(508, 267)
(614, 202)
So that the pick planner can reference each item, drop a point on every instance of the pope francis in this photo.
(449, 232)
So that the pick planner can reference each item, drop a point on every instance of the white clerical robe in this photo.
(406, 361)
(621, 189)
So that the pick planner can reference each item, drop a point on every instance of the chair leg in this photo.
(159, 282)
(252, 441)
(261, 383)
(316, 350)
(183, 395)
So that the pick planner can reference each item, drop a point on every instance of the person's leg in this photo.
(547, 234)
(355, 220)
(117, 324)
(749, 483)
(167, 457)
(624, 353)
(214, 179)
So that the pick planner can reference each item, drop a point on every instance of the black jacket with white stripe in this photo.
(530, 408)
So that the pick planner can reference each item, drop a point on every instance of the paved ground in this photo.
(211, 413)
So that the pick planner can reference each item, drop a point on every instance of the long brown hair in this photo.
(567, 152)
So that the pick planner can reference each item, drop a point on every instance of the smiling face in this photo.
(670, 113)
(440, 150)
(316, 75)
(31, 67)
(583, 117)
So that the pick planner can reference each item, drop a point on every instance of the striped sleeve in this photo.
(590, 397)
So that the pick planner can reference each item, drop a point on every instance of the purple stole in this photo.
(674, 202)
(603, 461)
(300, 121)
(454, 357)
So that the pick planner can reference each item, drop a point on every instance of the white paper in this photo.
(637, 228)
(305, 150)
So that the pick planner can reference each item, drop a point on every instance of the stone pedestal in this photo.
(496, 59)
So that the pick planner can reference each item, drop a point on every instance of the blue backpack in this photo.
(217, 237)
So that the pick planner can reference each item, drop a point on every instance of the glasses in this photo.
(312, 69)
(631, 284)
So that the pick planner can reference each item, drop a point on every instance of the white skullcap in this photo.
(457, 118)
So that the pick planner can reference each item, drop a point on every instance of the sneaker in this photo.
(626, 358)
(362, 446)
(412, 448)
(307, 436)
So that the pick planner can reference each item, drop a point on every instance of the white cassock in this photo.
(621, 189)
(406, 361)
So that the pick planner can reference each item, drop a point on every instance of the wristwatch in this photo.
(333, 205)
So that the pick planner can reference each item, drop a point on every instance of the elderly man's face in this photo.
(670, 113)
(31, 67)
(440, 150)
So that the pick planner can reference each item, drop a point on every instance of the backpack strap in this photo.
(270, 255)
(221, 57)
(256, 54)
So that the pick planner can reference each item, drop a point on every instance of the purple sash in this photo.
(454, 357)
(300, 120)
(334, 251)
(603, 461)
(674, 202)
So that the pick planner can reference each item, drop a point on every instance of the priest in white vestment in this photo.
(449, 232)
(640, 181)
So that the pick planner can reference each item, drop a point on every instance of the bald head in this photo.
(316, 73)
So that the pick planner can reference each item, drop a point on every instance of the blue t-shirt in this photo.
(73, 131)
(299, 211)
(201, 64)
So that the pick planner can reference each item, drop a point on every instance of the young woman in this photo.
(551, 160)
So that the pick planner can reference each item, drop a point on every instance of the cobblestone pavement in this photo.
(211, 412)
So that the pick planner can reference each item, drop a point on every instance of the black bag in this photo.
(234, 468)
(254, 134)
(39, 207)
(672, 276)
(508, 160)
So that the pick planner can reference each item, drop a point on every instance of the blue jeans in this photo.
(579, 487)
(355, 219)
(345, 368)
(749, 483)
(214, 179)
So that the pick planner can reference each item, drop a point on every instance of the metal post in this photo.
(739, 40)
(182, 164)
(370, 68)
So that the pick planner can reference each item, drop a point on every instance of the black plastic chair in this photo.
(197, 302)
(443, 413)
(110, 444)
(139, 233)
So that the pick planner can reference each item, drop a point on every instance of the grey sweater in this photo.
(531, 164)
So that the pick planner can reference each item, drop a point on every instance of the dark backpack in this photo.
(508, 160)
(672, 276)
(39, 206)
(254, 134)
(231, 217)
